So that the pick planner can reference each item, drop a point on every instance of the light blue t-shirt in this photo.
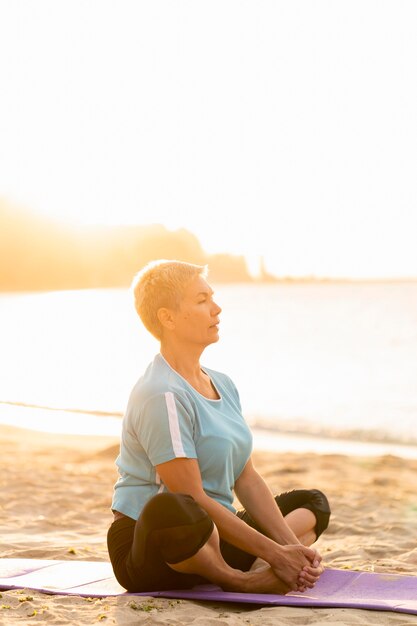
(166, 418)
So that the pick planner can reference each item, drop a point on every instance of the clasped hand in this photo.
(298, 566)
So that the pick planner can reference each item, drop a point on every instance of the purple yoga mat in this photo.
(336, 588)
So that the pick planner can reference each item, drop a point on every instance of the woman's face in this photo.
(197, 319)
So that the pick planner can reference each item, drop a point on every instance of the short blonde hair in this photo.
(162, 284)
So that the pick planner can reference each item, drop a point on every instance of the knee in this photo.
(319, 505)
(312, 499)
(177, 525)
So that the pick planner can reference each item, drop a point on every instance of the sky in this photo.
(286, 130)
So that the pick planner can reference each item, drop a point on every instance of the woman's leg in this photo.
(175, 545)
(171, 527)
(302, 522)
(175, 527)
(209, 562)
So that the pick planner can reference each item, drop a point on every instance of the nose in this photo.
(216, 309)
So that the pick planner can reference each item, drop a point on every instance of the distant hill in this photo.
(39, 254)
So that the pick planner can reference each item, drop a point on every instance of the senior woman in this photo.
(186, 452)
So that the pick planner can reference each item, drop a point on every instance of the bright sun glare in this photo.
(278, 130)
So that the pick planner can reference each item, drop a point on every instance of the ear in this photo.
(166, 318)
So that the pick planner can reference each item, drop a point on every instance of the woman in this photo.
(185, 451)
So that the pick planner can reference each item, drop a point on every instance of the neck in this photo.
(184, 361)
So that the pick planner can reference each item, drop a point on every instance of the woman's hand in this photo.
(298, 566)
(310, 574)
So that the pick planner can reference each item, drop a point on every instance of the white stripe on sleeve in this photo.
(174, 426)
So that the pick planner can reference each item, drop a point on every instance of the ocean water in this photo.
(325, 361)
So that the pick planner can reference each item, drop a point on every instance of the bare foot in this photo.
(260, 580)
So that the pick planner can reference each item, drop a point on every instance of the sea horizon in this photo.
(319, 361)
(50, 420)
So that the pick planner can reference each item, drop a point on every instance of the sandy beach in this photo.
(56, 492)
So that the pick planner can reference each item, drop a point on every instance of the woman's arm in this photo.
(256, 497)
(182, 475)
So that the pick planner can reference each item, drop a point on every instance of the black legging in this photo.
(173, 527)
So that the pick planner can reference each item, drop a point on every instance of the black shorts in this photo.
(173, 527)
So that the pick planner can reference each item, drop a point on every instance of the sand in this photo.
(55, 498)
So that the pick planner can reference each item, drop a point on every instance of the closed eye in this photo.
(204, 296)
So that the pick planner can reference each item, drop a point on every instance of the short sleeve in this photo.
(165, 428)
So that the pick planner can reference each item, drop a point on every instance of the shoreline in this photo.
(57, 494)
(84, 424)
